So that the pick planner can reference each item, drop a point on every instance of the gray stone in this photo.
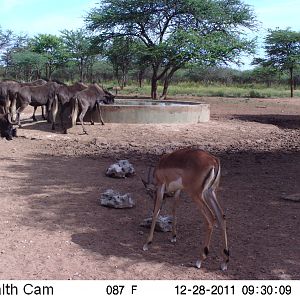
(121, 169)
(114, 199)
(163, 223)
(293, 197)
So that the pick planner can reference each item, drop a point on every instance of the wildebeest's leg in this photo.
(74, 112)
(47, 107)
(33, 116)
(54, 110)
(7, 105)
(84, 109)
(19, 110)
(62, 111)
(44, 116)
(13, 108)
(100, 114)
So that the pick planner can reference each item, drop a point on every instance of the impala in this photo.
(197, 173)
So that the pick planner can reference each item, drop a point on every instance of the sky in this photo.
(50, 16)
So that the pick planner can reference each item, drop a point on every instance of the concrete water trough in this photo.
(133, 111)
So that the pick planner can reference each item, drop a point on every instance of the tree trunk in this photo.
(165, 89)
(291, 82)
(154, 83)
(140, 77)
(167, 82)
(81, 69)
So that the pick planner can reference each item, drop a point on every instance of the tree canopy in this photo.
(282, 48)
(175, 32)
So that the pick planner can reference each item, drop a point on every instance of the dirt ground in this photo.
(52, 226)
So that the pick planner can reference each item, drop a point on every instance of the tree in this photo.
(11, 43)
(5, 38)
(79, 46)
(52, 48)
(175, 32)
(121, 55)
(29, 64)
(282, 52)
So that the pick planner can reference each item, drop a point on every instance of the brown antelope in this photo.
(197, 173)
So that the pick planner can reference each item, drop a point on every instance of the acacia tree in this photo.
(175, 32)
(121, 55)
(28, 64)
(10, 44)
(52, 48)
(79, 46)
(5, 38)
(282, 52)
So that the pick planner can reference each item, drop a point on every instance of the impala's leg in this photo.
(159, 197)
(210, 220)
(174, 224)
(211, 197)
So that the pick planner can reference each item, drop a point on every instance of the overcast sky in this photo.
(51, 16)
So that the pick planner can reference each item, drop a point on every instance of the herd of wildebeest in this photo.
(52, 96)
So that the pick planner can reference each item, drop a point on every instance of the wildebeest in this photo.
(6, 128)
(8, 94)
(89, 99)
(36, 96)
(37, 82)
(63, 96)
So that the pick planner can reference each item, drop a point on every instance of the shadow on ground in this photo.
(62, 193)
(282, 121)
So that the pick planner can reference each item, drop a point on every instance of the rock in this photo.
(163, 223)
(121, 169)
(114, 199)
(293, 197)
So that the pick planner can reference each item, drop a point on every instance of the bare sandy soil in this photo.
(52, 226)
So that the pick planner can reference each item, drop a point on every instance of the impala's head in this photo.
(149, 183)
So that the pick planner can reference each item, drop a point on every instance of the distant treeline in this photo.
(102, 71)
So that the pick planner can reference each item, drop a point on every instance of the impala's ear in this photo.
(144, 182)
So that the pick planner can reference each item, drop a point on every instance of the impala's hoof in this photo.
(146, 247)
(173, 239)
(224, 267)
(198, 264)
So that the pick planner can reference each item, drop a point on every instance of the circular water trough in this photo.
(145, 112)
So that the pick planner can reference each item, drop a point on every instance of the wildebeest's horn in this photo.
(8, 118)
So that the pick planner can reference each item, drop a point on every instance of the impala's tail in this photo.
(210, 185)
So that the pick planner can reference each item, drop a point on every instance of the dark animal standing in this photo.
(89, 99)
(8, 94)
(37, 82)
(6, 128)
(62, 101)
(36, 96)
